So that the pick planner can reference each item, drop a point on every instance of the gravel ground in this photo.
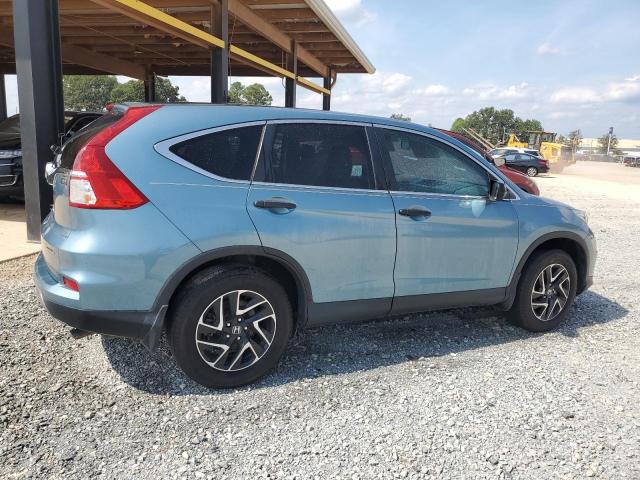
(457, 394)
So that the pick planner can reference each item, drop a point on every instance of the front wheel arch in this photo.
(569, 242)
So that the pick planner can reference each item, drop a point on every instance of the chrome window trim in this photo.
(438, 139)
(319, 120)
(163, 147)
(342, 190)
(294, 186)
(434, 194)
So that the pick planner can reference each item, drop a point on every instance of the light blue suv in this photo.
(231, 227)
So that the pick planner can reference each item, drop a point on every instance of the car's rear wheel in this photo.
(546, 291)
(229, 326)
(532, 171)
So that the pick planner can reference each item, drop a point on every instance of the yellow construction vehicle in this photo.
(559, 155)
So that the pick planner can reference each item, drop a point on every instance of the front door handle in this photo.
(275, 203)
(415, 212)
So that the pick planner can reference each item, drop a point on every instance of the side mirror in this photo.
(499, 161)
(497, 190)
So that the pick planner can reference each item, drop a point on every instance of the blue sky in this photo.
(570, 64)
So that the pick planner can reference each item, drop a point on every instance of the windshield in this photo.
(11, 125)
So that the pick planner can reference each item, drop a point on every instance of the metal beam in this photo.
(291, 83)
(3, 99)
(100, 61)
(220, 56)
(150, 87)
(326, 98)
(88, 58)
(272, 32)
(39, 67)
(149, 15)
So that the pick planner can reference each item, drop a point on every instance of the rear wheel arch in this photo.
(284, 269)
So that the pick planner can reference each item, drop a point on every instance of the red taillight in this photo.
(95, 182)
(71, 284)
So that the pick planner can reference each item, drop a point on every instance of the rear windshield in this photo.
(76, 142)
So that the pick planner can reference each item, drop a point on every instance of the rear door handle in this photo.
(415, 212)
(275, 203)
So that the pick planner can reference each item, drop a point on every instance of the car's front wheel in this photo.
(532, 171)
(229, 326)
(545, 292)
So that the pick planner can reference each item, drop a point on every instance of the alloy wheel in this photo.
(532, 172)
(550, 292)
(235, 330)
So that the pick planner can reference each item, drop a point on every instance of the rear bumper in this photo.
(145, 326)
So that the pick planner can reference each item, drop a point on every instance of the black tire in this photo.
(522, 312)
(198, 295)
(532, 171)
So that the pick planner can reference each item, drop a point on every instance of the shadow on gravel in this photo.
(341, 349)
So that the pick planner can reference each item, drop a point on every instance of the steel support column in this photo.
(39, 69)
(150, 88)
(3, 98)
(290, 84)
(220, 56)
(326, 99)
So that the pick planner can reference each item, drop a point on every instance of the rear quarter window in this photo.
(229, 153)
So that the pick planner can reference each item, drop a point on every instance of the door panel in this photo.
(344, 241)
(451, 238)
(465, 244)
(344, 238)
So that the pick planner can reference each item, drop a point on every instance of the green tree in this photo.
(87, 92)
(400, 116)
(93, 92)
(573, 139)
(457, 125)
(235, 93)
(254, 94)
(603, 143)
(133, 91)
(492, 123)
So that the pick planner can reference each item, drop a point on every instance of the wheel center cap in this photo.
(236, 330)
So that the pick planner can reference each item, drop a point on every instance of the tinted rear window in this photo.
(228, 153)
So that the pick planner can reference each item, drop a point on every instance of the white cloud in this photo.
(575, 95)
(547, 49)
(626, 91)
(390, 82)
(496, 92)
(433, 90)
(351, 11)
(557, 115)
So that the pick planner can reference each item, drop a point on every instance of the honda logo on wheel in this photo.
(236, 330)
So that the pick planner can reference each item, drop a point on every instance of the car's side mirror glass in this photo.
(497, 190)
(499, 161)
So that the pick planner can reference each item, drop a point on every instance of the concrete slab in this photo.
(13, 233)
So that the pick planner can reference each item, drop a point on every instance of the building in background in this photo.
(626, 145)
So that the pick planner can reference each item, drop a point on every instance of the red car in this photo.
(523, 181)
